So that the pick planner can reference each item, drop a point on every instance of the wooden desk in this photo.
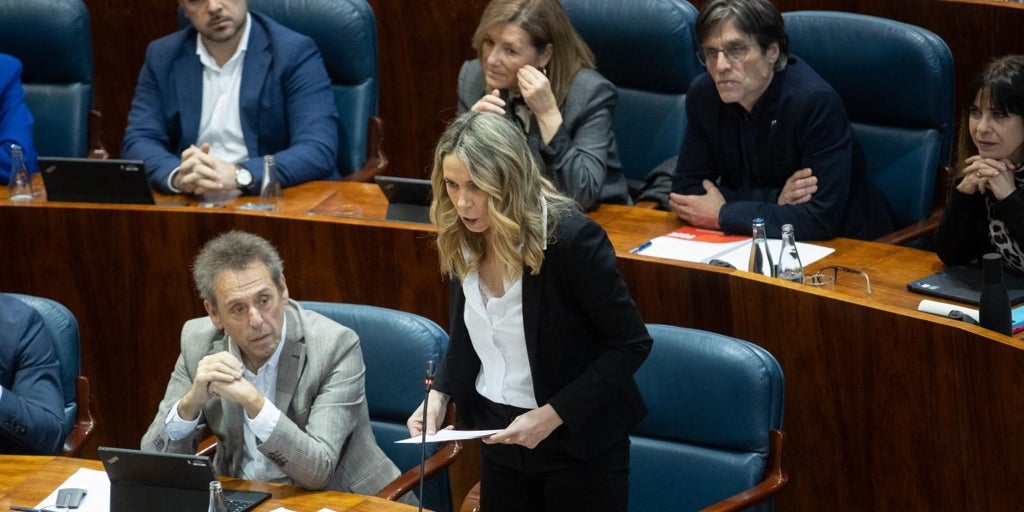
(886, 407)
(27, 480)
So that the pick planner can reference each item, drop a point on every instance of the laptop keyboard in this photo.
(236, 505)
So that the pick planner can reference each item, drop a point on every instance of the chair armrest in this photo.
(472, 501)
(650, 205)
(207, 447)
(441, 459)
(923, 229)
(96, 150)
(376, 160)
(85, 424)
(774, 479)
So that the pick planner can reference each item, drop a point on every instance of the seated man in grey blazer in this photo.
(281, 387)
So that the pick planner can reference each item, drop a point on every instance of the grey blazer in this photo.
(582, 158)
(323, 439)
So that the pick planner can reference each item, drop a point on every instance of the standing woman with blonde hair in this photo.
(533, 68)
(545, 337)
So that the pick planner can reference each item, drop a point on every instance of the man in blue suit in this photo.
(214, 98)
(15, 118)
(31, 402)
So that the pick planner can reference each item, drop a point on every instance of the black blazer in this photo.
(584, 339)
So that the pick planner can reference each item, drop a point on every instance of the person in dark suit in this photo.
(530, 56)
(31, 401)
(545, 337)
(214, 98)
(767, 137)
(15, 119)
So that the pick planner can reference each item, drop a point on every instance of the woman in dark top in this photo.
(985, 212)
(545, 336)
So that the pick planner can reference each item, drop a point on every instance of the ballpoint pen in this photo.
(642, 247)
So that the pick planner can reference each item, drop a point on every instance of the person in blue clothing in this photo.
(767, 137)
(214, 98)
(31, 402)
(15, 119)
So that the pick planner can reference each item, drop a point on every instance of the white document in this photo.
(735, 253)
(450, 435)
(96, 484)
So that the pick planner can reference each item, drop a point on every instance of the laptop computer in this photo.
(166, 482)
(408, 198)
(962, 283)
(95, 180)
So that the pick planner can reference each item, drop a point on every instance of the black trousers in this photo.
(514, 478)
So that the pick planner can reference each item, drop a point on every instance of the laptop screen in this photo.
(95, 180)
(408, 198)
(158, 482)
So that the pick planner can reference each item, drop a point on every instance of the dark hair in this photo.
(759, 18)
(1003, 79)
(234, 250)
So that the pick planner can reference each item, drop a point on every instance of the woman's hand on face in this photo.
(490, 103)
(983, 174)
(536, 91)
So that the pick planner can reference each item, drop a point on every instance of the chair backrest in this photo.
(396, 346)
(712, 401)
(648, 50)
(346, 33)
(63, 328)
(53, 41)
(898, 86)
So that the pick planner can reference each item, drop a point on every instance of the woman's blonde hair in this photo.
(545, 21)
(500, 164)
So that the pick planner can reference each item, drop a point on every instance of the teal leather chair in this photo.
(345, 31)
(53, 41)
(712, 438)
(63, 328)
(897, 83)
(647, 48)
(396, 346)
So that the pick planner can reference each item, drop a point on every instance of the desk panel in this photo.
(886, 407)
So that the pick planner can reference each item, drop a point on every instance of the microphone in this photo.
(428, 381)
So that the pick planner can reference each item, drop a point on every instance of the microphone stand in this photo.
(428, 381)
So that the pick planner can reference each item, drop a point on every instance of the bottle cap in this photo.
(992, 263)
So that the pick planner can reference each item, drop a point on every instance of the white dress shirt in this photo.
(255, 466)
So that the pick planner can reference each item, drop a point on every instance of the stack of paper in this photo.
(703, 245)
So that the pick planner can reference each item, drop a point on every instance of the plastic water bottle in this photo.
(760, 257)
(994, 306)
(20, 186)
(790, 267)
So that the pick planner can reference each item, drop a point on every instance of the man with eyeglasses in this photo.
(767, 137)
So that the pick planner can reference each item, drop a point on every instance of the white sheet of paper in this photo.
(450, 435)
(96, 484)
(736, 253)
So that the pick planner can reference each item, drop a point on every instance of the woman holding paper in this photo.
(985, 212)
(545, 337)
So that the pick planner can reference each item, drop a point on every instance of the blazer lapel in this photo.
(532, 288)
(293, 357)
(254, 75)
(188, 81)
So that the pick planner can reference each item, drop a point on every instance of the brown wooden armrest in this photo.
(96, 150)
(472, 501)
(650, 205)
(207, 447)
(441, 459)
(376, 160)
(774, 479)
(923, 229)
(85, 424)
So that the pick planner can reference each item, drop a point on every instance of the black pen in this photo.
(25, 509)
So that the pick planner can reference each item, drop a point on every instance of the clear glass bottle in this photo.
(216, 498)
(760, 257)
(271, 191)
(20, 186)
(789, 267)
(994, 305)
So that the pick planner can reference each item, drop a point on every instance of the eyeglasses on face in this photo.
(735, 52)
(836, 269)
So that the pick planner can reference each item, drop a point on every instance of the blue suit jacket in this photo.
(15, 119)
(31, 403)
(287, 106)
